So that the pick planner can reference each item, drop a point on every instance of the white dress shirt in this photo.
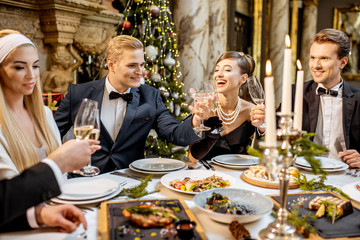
(329, 129)
(112, 111)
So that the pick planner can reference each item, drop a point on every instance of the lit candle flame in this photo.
(298, 63)
(287, 41)
(268, 68)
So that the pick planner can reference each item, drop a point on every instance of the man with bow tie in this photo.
(128, 109)
(331, 106)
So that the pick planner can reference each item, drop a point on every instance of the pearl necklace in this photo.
(229, 118)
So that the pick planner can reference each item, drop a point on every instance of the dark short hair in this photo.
(245, 61)
(334, 36)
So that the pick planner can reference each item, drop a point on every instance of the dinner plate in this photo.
(353, 190)
(193, 175)
(152, 172)
(84, 188)
(257, 202)
(158, 164)
(236, 160)
(231, 166)
(91, 201)
(326, 163)
(344, 167)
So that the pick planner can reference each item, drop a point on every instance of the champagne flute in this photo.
(256, 93)
(201, 97)
(87, 118)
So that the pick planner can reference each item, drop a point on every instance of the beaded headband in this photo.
(10, 42)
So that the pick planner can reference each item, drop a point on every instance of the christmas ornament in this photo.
(175, 95)
(151, 53)
(142, 27)
(146, 73)
(162, 89)
(166, 94)
(171, 106)
(155, 77)
(137, 1)
(169, 61)
(142, 81)
(177, 110)
(154, 10)
(126, 24)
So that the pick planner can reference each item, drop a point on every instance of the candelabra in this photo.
(281, 229)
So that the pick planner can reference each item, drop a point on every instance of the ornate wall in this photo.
(61, 29)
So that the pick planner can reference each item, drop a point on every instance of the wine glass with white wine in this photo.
(87, 126)
(256, 93)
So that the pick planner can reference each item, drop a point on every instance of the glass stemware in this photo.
(256, 93)
(87, 120)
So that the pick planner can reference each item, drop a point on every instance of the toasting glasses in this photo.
(87, 125)
(256, 93)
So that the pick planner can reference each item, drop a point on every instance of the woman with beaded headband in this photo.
(231, 72)
(28, 131)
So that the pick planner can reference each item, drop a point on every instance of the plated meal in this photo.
(337, 217)
(148, 219)
(193, 185)
(195, 181)
(258, 176)
(230, 204)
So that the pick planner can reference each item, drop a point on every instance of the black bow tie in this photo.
(125, 96)
(322, 91)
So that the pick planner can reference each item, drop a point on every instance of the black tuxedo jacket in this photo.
(351, 112)
(145, 112)
(32, 187)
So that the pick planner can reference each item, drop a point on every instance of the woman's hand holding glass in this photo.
(87, 126)
(257, 95)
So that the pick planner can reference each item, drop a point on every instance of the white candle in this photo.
(286, 87)
(270, 119)
(298, 109)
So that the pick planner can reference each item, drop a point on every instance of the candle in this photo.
(286, 87)
(270, 135)
(299, 97)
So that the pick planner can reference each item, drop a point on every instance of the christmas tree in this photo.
(150, 21)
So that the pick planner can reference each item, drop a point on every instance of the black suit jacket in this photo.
(145, 112)
(351, 112)
(32, 187)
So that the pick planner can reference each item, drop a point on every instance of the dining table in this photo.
(213, 230)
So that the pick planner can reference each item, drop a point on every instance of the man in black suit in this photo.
(128, 110)
(331, 106)
(41, 183)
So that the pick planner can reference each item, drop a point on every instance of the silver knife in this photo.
(126, 175)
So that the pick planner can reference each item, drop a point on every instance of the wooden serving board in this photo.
(264, 183)
(340, 224)
(110, 218)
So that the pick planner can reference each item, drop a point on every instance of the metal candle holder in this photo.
(281, 229)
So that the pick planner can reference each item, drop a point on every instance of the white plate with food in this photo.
(158, 164)
(236, 160)
(195, 181)
(232, 204)
(84, 188)
(326, 163)
(154, 172)
(353, 190)
(258, 176)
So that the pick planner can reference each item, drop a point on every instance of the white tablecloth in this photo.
(213, 230)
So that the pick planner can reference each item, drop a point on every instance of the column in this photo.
(279, 27)
(309, 31)
(217, 33)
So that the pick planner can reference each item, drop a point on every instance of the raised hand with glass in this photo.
(256, 92)
(87, 126)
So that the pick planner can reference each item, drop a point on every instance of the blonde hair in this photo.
(116, 46)
(19, 147)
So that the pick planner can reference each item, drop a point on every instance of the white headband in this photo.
(10, 42)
